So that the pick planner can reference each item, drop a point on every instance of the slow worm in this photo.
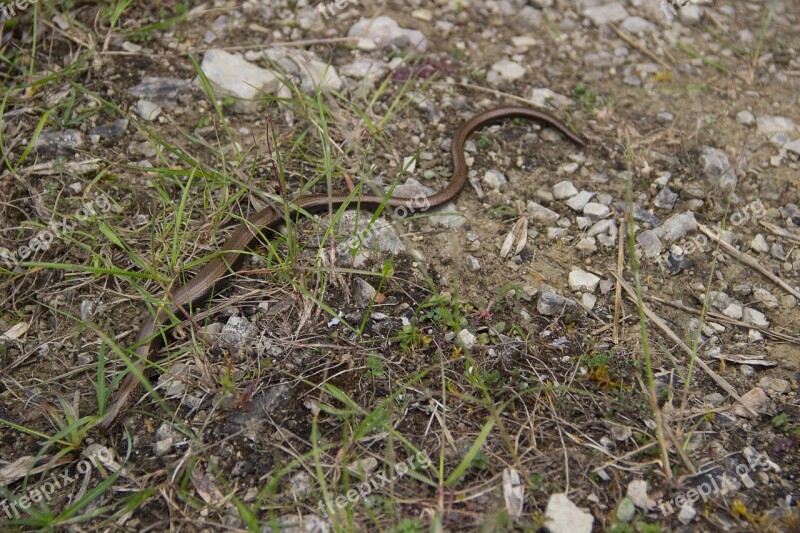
(213, 273)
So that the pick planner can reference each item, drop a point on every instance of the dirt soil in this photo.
(404, 371)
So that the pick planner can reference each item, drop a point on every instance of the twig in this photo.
(749, 260)
(722, 318)
(618, 289)
(677, 340)
(779, 231)
(639, 46)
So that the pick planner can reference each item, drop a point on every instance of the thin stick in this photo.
(677, 340)
(618, 289)
(777, 230)
(749, 260)
(722, 318)
(639, 46)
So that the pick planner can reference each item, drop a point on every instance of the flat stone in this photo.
(677, 226)
(777, 385)
(650, 243)
(756, 399)
(550, 303)
(232, 75)
(769, 124)
(665, 199)
(147, 110)
(564, 189)
(563, 516)
(596, 211)
(465, 339)
(494, 179)
(602, 15)
(384, 31)
(745, 118)
(64, 142)
(580, 280)
(759, 244)
(541, 214)
(158, 89)
(579, 201)
(505, 70)
(237, 332)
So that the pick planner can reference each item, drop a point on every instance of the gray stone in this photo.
(637, 491)
(626, 510)
(676, 227)
(159, 89)
(147, 110)
(650, 243)
(579, 201)
(564, 189)
(717, 167)
(665, 199)
(363, 292)
(637, 25)
(793, 146)
(686, 514)
(541, 214)
(745, 118)
(601, 15)
(505, 70)
(64, 142)
(580, 280)
(494, 179)
(769, 125)
(472, 263)
(596, 211)
(384, 31)
(755, 399)
(237, 332)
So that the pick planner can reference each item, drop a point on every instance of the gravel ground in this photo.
(491, 343)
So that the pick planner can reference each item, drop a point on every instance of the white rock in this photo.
(755, 317)
(596, 211)
(232, 75)
(601, 15)
(579, 201)
(769, 125)
(541, 214)
(637, 491)
(677, 226)
(147, 110)
(793, 146)
(686, 514)
(637, 25)
(580, 280)
(588, 300)
(563, 516)
(759, 244)
(384, 31)
(745, 118)
(494, 179)
(756, 399)
(564, 189)
(505, 70)
(465, 339)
